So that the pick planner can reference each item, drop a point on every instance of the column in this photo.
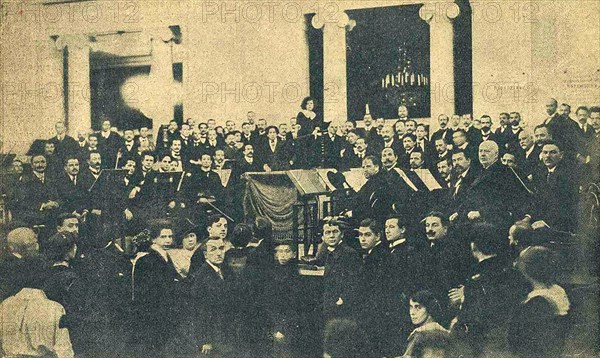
(439, 16)
(334, 66)
(79, 113)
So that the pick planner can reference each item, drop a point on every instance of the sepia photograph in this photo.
(299, 178)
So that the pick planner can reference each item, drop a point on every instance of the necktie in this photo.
(74, 180)
(549, 177)
(457, 186)
(220, 275)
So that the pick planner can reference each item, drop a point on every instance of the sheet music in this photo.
(405, 178)
(428, 179)
(355, 178)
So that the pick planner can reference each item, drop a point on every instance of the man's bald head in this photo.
(488, 153)
(22, 242)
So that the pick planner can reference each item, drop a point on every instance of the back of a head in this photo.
(30, 272)
(538, 263)
(241, 235)
(23, 242)
(344, 339)
(58, 245)
(263, 229)
(488, 239)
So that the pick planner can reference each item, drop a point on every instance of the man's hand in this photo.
(453, 217)
(317, 132)
(49, 205)
(539, 224)
(172, 204)
(128, 214)
(206, 348)
(134, 192)
(473, 215)
(266, 168)
(457, 295)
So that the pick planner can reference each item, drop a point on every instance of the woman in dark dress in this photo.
(539, 326)
(156, 285)
(311, 127)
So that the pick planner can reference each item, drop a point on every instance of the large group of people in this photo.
(120, 245)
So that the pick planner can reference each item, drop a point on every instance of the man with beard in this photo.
(402, 113)
(411, 126)
(465, 175)
(486, 129)
(441, 149)
(230, 149)
(128, 149)
(445, 132)
(511, 136)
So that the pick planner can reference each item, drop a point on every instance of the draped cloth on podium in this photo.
(270, 195)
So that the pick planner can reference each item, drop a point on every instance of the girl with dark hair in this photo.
(424, 311)
(311, 127)
(538, 328)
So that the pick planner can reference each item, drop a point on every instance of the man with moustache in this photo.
(511, 137)
(333, 145)
(441, 150)
(36, 200)
(373, 199)
(70, 188)
(402, 113)
(556, 190)
(409, 143)
(399, 130)
(563, 129)
(352, 158)
(459, 138)
(389, 141)
(486, 129)
(503, 130)
(445, 132)
(446, 261)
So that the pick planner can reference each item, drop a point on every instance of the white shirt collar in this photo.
(397, 243)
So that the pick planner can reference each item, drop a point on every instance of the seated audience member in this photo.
(459, 140)
(373, 199)
(65, 286)
(70, 188)
(36, 200)
(21, 244)
(556, 191)
(241, 236)
(444, 133)
(31, 323)
(260, 254)
(389, 160)
(425, 310)
(182, 256)
(155, 285)
(343, 338)
(353, 157)
(539, 325)
(489, 296)
(529, 155)
(444, 172)
(409, 142)
(342, 263)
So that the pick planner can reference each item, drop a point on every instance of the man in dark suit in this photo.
(63, 143)
(452, 258)
(381, 301)
(36, 199)
(353, 157)
(208, 292)
(464, 174)
(109, 143)
(511, 136)
(473, 135)
(70, 188)
(529, 156)
(459, 138)
(556, 190)
(128, 149)
(387, 133)
(155, 292)
(489, 296)
(444, 133)
(486, 130)
(248, 136)
(409, 142)
(272, 154)
(496, 194)
(405, 264)
(564, 130)
(332, 147)
(441, 151)
(342, 264)
(373, 199)
(503, 130)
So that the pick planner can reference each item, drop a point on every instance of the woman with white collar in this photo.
(538, 327)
